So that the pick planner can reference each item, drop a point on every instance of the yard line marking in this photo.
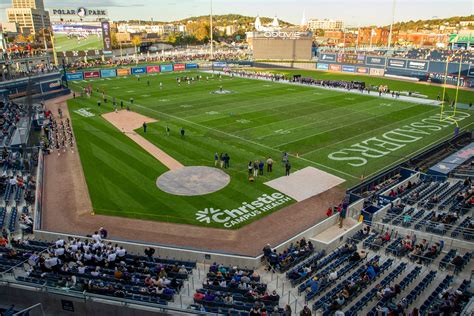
(276, 111)
(335, 128)
(241, 138)
(371, 131)
(312, 123)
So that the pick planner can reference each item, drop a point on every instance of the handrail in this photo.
(106, 299)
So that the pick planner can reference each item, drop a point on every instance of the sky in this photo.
(352, 12)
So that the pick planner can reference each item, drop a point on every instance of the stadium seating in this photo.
(236, 289)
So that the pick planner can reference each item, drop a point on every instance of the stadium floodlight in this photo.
(212, 47)
(389, 42)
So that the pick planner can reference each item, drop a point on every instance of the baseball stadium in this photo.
(282, 178)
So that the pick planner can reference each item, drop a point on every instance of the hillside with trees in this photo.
(432, 23)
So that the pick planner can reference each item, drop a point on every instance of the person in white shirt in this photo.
(98, 258)
(51, 262)
(81, 269)
(121, 252)
(87, 256)
(111, 257)
(33, 259)
(333, 276)
(59, 242)
(96, 272)
(73, 247)
(59, 251)
(96, 237)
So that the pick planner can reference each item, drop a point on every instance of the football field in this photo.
(63, 44)
(349, 135)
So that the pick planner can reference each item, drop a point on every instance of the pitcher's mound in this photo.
(191, 181)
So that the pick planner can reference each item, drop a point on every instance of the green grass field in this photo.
(348, 135)
(64, 44)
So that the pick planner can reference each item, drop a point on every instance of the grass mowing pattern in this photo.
(258, 120)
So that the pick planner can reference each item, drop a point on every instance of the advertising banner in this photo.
(138, 70)
(71, 76)
(91, 74)
(397, 63)
(219, 64)
(375, 61)
(178, 67)
(470, 72)
(362, 70)
(331, 58)
(351, 59)
(376, 72)
(123, 72)
(322, 66)
(108, 73)
(106, 37)
(346, 68)
(152, 69)
(166, 68)
(192, 66)
(335, 67)
(418, 65)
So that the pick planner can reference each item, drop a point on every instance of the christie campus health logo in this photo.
(246, 211)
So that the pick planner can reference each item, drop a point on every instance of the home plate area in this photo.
(305, 183)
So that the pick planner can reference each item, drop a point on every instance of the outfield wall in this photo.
(424, 70)
(78, 75)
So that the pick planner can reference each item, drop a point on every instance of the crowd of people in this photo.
(58, 134)
(92, 262)
(256, 74)
(282, 261)
(351, 286)
(452, 301)
(31, 70)
(175, 56)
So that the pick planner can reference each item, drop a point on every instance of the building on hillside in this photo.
(375, 36)
(466, 23)
(274, 26)
(30, 15)
(421, 39)
(325, 24)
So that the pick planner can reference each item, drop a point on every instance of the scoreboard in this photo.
(353, 59)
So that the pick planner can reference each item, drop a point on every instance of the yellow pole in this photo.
(55, 56)
(457, 86)
(444, 88)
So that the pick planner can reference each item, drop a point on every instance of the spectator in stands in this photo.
(96, 236)
(103, 233)
(458, 261)
(149, 252)
(370, 271)
(306, 311)
(366, 230)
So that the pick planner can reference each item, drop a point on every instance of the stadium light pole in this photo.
(212, 36)
(391, 25)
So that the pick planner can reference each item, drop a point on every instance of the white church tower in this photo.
(258, 24)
